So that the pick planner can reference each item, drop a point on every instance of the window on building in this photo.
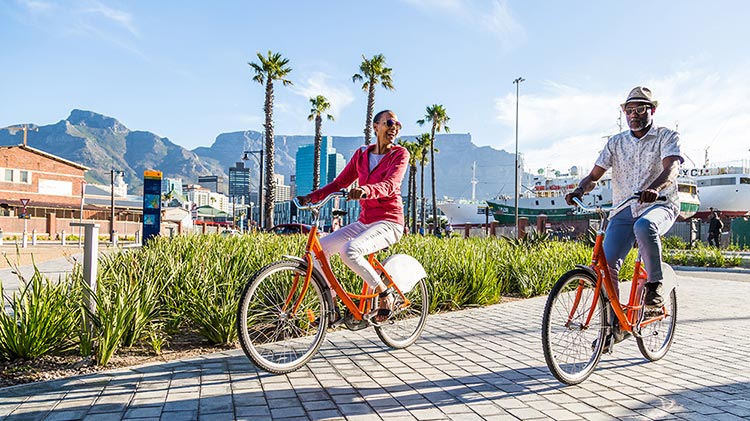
(24, 176)
(8, 175)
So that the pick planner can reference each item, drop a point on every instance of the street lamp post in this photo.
(258, 155)
(112, 206)
(517, 82)
(249, 215)
(112, 173)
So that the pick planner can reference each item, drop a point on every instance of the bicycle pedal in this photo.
(653, 312)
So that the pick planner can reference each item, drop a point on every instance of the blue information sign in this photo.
(151, 204)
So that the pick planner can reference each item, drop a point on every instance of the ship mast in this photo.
(474, 181)
(705, 158)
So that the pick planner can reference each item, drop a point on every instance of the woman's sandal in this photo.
(380, 315)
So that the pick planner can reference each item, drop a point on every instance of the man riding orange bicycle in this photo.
(644, 159)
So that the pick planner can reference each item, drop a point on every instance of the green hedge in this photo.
(146, 295)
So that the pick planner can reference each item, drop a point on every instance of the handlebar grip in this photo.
(661, 197)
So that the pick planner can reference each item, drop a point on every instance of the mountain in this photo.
(103, 143)
(457, 154)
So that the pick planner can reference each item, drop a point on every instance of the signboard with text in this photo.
(151, 204)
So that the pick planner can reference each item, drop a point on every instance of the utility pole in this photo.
(518, 83)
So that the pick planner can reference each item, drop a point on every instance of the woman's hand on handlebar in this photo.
(304, 200)
(356, 194)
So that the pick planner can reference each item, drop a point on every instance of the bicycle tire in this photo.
(657, 337)
(275, 340)
(572, 351)
(406, 325)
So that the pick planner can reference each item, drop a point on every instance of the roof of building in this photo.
(48, 155)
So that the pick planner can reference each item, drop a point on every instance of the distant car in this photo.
(229, 233)
(290, 229)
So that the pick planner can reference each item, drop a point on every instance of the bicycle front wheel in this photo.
(274, 335)
(656, 337)
(407, 323)
(573, 344)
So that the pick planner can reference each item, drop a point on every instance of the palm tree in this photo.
(373, 72)
(414, 152)
(423, 145)
(319, 107)
(437, 115)
(272, 67)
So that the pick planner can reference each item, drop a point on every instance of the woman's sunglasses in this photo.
(391, 122)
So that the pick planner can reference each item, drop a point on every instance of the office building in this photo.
(331, 164)
(215, 183)
(239, 183)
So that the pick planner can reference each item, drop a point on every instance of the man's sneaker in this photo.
(654, 296)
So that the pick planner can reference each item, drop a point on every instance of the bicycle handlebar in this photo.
(635, 196)
(314, 206)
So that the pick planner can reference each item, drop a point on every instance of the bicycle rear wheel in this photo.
(571, 348)
(406, 324)
(657, 337)
(274, 336)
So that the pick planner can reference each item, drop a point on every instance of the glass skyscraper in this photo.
(239, 183)
(331, 164)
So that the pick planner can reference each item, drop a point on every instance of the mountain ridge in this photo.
(102, 143)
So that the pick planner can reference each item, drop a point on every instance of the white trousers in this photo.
(356, 241)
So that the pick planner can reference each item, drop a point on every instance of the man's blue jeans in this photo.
(623, 230)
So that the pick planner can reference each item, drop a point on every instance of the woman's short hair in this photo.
(377, 116)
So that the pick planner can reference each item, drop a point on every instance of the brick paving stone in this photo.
(326, 414)
(147, 412)
(216, 416)
(179, 415)
(213, 404)
(106, 416)
(66, 415)
(253, 411)
(286, 412)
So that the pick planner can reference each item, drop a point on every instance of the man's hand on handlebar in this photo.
(577, 192)
(648, 196)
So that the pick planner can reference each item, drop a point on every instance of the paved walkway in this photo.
(483, 363)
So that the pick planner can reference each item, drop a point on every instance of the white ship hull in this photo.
(726, 189)
(463, 213)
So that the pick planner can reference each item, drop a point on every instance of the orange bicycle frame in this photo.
(626, 314)
(313, 249)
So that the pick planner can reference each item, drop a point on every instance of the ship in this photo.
(547, 197)
(724, 187)
(553, 206)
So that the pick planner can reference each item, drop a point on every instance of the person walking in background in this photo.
(714, 229)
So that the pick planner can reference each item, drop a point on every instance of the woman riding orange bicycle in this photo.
(379, 170)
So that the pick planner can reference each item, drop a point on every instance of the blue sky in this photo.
(179, 68)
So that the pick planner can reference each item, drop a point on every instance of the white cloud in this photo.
(91, 19)
(120, 17)
(564, 126)
(494, 16)
(38, 6)
(318, 83)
